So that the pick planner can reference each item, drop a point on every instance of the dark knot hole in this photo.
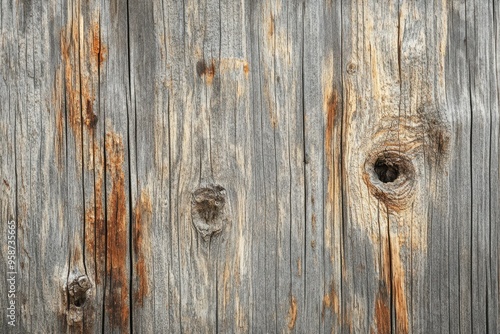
(386, 170)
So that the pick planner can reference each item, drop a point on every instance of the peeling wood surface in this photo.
(253, 166)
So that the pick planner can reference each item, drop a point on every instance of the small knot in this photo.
(78, 291)
(390, 177)
(207, 204)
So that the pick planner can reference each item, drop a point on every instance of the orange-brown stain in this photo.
(292, 313)
(57, 101)
(90, 233)
(79, 96)
(95, 225)
(330, 301)
(90, 117)
(393, 276)
(59, 137)
(99, 50)
(117, 294)
(382, 312)
(299, 267)
(330, 105)
(226, 285)
(206, 70)
(246, 68)
(72, 78)
(398, 281)
(270, 30)
(77, 254)
(382, 303)
(141, 239)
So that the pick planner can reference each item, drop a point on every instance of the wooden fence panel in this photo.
(252, 166)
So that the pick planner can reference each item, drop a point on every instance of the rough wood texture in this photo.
(254, 166)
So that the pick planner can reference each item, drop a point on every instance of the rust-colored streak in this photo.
(57, 101)
(77, 254)
(90, 117)
(382, 303)
(141, 239)
(59, 138)
(95, 225)
(292, 313)
(331, 301)
(330, 105)
(382, 314)
(79, 64)
(246, 68)
(226, 286)
(99, 50)
(70, 57)
(206, 70)
(90, 225)
(270, 30)
(398, 280)
(118, 292)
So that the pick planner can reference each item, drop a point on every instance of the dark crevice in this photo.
(490, 231)
(105, 280)
(130, 230)
(263, 161)
(81, 144)
(169, 179)
(304, 148)
(342, 169)
(391, 278)
(290, 200)
(93, 152)
(276, 251)
(471, 171)
(399, 43)
(67, 186)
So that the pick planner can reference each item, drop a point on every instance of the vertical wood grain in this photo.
(242, 166)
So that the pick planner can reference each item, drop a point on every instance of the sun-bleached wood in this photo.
(251, 166)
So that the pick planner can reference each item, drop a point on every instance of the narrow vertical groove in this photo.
(105, 192)
(399, 43)
(341, 169)
(67, 183)
(81, 145)
(130, 227)
(93, 150)
(105, 172)
(470, 169)
(391, 278)
(290, 184)
(302, 51)
(276, 251)
(491, 280)
(263, 163)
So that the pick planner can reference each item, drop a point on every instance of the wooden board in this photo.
(252, 166)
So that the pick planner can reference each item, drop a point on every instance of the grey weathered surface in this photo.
(214, 166)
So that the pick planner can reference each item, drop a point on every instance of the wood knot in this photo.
(351, 68)
(390, 177)
(207, 210)
(78, 290)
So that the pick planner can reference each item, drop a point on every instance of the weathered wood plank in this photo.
(278, 166)
(320, 301)
(484, 97)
